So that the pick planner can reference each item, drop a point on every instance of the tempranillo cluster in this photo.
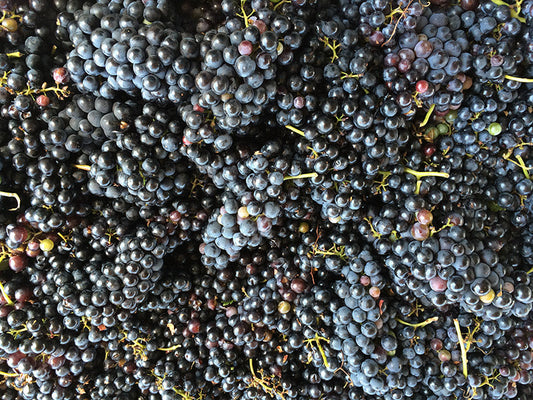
(266, 199)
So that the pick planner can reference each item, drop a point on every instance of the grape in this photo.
(60, 75)
(420, 231)
(438, 284)
(495, 129)
(43, 100)
(423, 49)
(424, 217)
(18, 234)
(17, 263)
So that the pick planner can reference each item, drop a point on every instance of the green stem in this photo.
(375, 233)
(420, 324)
(279, 3)
(428, 114)
(6, 297)
(432, 229)
(250, 361)
(420, 175)
(345, 75)
(321, 350)
(172, 348)
(244, 15)
(184, 395)
(10, 374)
(463, 348)
(301, 176)
(295, 130)
(317, 340)
(83, 167)
(518, 79)
(514, 13)
(523, 166)
(13, 195)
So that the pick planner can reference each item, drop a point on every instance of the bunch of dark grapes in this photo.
(266, 199)
(115, 51)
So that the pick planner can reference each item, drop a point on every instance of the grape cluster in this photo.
(131, 46)
(266, 199)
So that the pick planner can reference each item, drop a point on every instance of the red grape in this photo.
(419, 231)
(42, 100)
(423, 49)
(422, 86)
(436, 344)
(18, 262)
(438, 284)
(18, 234)
(245, 48)
(298, 285)
(425, 217)
(60, 75)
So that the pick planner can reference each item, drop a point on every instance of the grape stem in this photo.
(301, 176)
(63, 237)
(463, 347)
(346, 75)
(60, 92)
(16, 332)
(382, 184)
(83, 167)
(8, 300)
(518, 79)
(295, 130)
(13, 195)
(520, 161)
(515, 9)
(172, 348)
(9, 374)
(332, 46)
(244, 15)
(523, 166)
(420, 324)
(263, 382)
(183, 394)
(420, 175)
(316, 340)
(333, 251)
(279, 3)
(9, 14)
(375, 233)
(432, 229)
(403, 14)
(428, 115)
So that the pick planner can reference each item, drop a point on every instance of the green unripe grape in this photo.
(495, 129)
(443, 129)
(431, 133)
(46, 245)
(451, 116)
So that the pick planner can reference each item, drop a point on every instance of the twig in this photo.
(420, 324)
(12, 195)
(463, 347)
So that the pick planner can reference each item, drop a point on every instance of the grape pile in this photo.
(266, 199)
